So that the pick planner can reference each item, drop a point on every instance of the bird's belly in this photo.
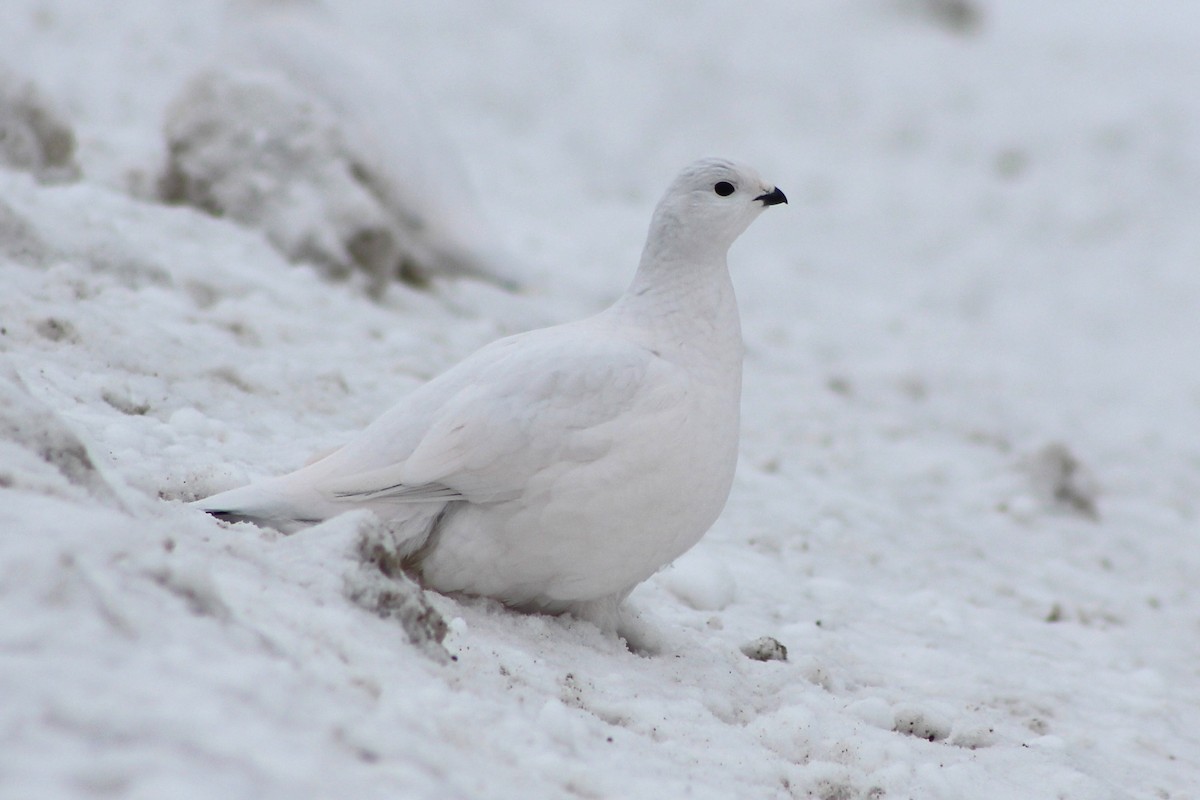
(588, 529)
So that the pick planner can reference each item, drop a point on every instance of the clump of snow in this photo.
(1060, 480)
(384, 587)
(702, 581)
(765, 648)
(34, 135)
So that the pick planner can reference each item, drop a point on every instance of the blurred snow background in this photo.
(967, 500)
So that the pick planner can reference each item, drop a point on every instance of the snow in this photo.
(966, 502)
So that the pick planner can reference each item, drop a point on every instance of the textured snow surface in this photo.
(968, 502)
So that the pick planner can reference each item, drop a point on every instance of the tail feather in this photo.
(271, 501)
(289, 504)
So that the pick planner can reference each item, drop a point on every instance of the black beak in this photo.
(772, 198)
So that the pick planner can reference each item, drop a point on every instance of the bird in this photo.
(556, 469)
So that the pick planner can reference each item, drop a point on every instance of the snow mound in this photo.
(256, 149)
(301, 134)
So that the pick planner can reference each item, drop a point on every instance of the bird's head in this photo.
(707, 207)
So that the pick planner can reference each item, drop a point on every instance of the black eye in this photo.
(723, 188)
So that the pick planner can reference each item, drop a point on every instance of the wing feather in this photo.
(522, 410)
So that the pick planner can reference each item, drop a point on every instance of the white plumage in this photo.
(557, 469)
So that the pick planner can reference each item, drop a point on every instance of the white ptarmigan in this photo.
(557, 469)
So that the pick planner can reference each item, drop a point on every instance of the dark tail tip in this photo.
(229, 516)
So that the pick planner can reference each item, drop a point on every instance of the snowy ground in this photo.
(969, 491)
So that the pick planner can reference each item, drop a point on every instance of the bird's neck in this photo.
(685, 304)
